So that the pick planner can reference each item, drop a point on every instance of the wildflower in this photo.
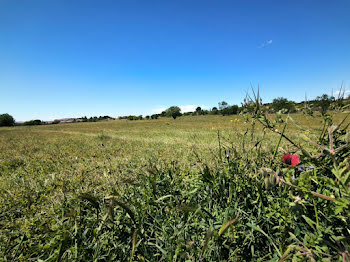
(231, 120)
(307, 133)
(301, 168)
(304, 168)
(276, 130)
(291, 160)
(297, 199)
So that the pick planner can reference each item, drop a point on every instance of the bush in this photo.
(6, 120)
(214, 111)
(231, 110)
(33, 122)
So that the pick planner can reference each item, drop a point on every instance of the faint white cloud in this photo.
(188, 108)
(191, 108)
(345, 92)
(266, 43)
(158, 110)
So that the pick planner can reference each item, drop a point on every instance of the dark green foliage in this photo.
(214, 111)
(283, 104)
(95, 118)
(33, 122)
(6, 120)
(230, 110)
(131, 117)
(173, 111)
(324, 102)
(56, 122)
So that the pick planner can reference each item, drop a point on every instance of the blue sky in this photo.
(75, 58)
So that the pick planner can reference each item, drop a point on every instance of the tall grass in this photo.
(183, 191)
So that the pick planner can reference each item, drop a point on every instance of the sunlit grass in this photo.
(45, 170)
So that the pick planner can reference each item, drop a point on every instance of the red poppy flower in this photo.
(291, 160)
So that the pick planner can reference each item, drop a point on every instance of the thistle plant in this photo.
(324, 186)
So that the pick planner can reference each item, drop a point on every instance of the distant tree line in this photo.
(283, 105)
(94, 118)
(175, 111)
(8, 120)
(321, 104)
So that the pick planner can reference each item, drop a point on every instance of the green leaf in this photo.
(309, 221)
(226, 225)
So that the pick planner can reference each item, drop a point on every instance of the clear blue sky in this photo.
(75, 58)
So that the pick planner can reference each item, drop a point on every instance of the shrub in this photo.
(214, 111)
(33, 122)
(231, 110)
(56, 122)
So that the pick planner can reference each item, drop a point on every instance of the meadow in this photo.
(198, 188)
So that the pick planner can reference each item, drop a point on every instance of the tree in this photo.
(6, 120)
(324, 102)
(222, 105)
(232, 110)
(282, 103)
(173, 111)
(199, 110)
(214, 110)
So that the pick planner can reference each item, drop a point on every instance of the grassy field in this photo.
(57, 182)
